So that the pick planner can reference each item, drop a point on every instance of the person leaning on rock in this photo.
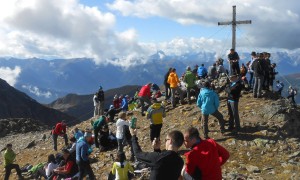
(60, 130)
(9, 158)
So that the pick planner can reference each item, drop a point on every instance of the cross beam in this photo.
(234, 23)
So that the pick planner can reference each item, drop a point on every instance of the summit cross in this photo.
(234, 23)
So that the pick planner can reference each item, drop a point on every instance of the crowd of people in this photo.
(204, 158)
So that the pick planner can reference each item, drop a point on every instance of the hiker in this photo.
(111, 113)
(121, 167)
(292, 93)
(205, 158)
(124, 103)
(100, 97)
(202, 72)
(174, 81)
(272, 75)
(167, 85)
(82, 159)
(120, 130)
(208, 102)
(212, 71)
(48, 169)
(96, 105)
(243, 70)
(195, 70)
(220, 68)
(234, 93)
(279, 87)
(233, 59)
(249, 65)
(98, 127)
(190, 79)
(155, 113)
(145, 96)
(9, 158)
(77, 133)
(116, 102)
(60, 130)
(267, 62)
(164, 164)
(258, 73)
(72, 149)
(68, 170)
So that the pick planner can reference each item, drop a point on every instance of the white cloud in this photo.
(270, 18)
(10, 75)
(36, 91)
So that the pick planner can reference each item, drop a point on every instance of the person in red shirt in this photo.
(69, 169)
(205, 158)
(60, 129)
(145, 96)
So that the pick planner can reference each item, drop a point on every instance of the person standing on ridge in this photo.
(233, 59)
(234, 93)
(208, 102)
(189, 79)
(155, 113)
(174, 81)
(292, 93)
(9, 158)
(100, 96)
(96, 105)
(60, 130)
(279, 87)
(258, 70)
(205, 158)
(167, 85)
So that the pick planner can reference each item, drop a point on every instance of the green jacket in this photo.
(189, 79)
(99, 122)
(9, 157)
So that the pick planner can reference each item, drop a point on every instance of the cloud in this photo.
(36, 91)
(10, 75)
(68, 29)
(269, 18)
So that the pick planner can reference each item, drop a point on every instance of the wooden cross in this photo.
(234, 23)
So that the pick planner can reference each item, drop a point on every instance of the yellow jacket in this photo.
(173, 80)
(121, 173)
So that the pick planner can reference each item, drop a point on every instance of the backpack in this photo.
(260, 69)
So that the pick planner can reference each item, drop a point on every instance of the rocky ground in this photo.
(267, 148)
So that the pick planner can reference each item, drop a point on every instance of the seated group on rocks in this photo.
(204, 158)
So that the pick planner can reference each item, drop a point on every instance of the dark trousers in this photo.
(234, 118)
(251, 80)
(168, 91)
(217, 115)
(85, 169)
(144, 99)
(155, 131)
(293, 99)
(54, 136)
(8, 169)
(234, 68)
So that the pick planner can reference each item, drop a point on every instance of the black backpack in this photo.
(260, 67)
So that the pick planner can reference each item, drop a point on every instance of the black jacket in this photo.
(234, 91)
(164, 165)
(258, 67)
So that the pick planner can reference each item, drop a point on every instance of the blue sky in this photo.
(125, 33)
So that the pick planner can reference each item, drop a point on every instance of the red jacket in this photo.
(145, 91)
(208, 156)
(59, 129)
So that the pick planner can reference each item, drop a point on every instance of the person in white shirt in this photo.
(96, 105)
(121, 122)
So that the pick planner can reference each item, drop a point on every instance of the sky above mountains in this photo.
(125, 33)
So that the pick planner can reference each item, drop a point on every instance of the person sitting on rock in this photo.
(9, 158)
(208, 102)
(69, 169)
(48, 169)
(205, 158)
(60, 130)
(121, 167)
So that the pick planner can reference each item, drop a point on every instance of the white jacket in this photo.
(120, 123)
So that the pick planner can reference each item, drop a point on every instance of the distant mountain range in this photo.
(47, 80)
(16, 104)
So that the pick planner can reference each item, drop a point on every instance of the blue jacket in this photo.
(208, 101)
(202, 71)
(124, 104)
(82, 150)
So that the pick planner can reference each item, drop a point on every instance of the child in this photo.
(121, 122)
(121, 167)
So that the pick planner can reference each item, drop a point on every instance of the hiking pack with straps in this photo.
(260, 68)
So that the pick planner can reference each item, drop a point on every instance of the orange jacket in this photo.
(173, 80)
